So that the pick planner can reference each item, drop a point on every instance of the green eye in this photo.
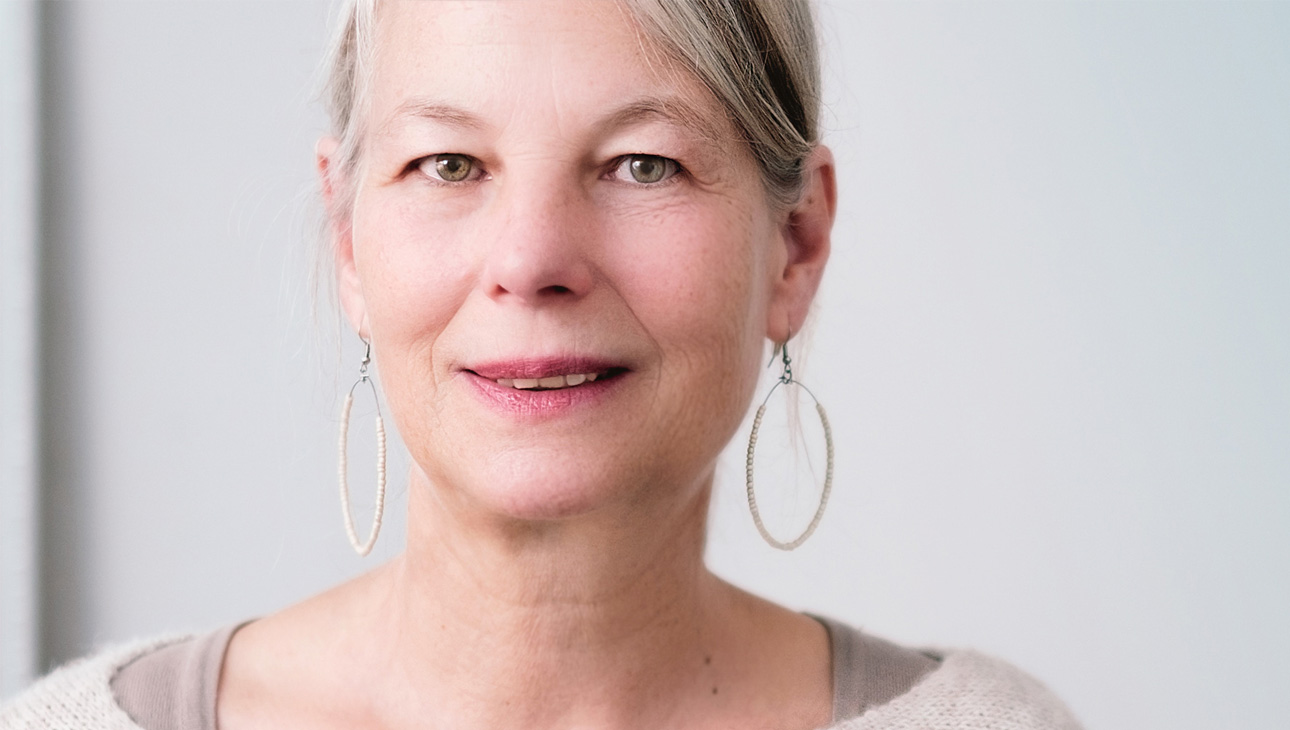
(453, 168)
(649, 168)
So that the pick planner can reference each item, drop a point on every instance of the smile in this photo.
(554, 382)
(540, 388)
(534, 375)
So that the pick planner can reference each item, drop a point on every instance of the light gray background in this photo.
(1053, 341)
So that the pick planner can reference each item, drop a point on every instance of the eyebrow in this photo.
(431, 110)
(645, 109)
(670, 110)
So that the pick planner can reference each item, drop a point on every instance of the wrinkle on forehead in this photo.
(671, 110)
(665, 92)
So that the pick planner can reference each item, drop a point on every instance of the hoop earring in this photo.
(365, 547)
(786, 378)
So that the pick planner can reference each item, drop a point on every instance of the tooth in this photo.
(575, 379)
(591, 377)
(525, 383)
(555, 381)
(506, 382)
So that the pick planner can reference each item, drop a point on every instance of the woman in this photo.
(568, 231)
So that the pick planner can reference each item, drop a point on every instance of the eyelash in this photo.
(672, 169)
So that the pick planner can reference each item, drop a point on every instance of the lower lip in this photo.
(541, 404)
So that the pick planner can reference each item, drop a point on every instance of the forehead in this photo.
(571, 63)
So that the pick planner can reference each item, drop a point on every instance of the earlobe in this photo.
(341, 231)
(806, 233)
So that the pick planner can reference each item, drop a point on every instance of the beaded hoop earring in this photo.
(786, 379)
(362, 548)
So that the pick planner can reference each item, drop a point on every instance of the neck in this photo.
(607, 622)
(582, 622)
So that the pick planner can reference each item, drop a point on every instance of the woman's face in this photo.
(541, 202)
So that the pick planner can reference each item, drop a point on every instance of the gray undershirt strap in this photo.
(868, 671)
(173, 688)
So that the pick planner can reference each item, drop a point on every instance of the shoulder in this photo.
(971, 690)
(79, 694)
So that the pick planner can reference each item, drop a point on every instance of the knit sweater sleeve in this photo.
(77, 696)
(971, 691)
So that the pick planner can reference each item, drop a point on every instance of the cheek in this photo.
(409, 272)
(695, 275)
(412, 283)
(697, 283)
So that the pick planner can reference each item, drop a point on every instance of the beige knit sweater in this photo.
(969, 691)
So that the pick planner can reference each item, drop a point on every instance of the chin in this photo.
(547, 489)
(544, 504)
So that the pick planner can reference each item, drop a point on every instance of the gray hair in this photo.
(759, 58)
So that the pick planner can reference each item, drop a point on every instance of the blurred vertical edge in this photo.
(19, 387)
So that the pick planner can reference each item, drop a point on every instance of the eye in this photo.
(646, 169)
(449, 168)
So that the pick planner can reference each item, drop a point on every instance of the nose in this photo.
(539, 252)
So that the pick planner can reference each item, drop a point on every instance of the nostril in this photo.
(533, 273)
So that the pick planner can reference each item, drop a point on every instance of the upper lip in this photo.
(543, 367)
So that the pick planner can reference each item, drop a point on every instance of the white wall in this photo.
(190, 451)
(1052, 343)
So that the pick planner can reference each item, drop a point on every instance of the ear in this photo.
(340, 227)
(805, 234)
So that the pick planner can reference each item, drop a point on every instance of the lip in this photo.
(542, 404)
(542, 367)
